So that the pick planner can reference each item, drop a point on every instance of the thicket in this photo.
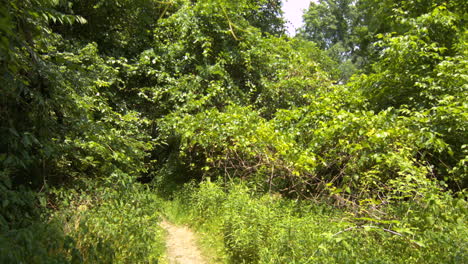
(247, 225)
(99, 97)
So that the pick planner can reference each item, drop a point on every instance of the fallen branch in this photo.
(370, 226)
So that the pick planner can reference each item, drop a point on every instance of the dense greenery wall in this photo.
(365, 108)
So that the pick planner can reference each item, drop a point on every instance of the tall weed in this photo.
(267, 228)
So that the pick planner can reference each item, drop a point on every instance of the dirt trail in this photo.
(181, 247)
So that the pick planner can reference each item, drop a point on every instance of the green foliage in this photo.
(60, 121)
(321, 148)
(413, 67)
(328, 22)
(60, 116)
(23, 237)
(119, 27)
(267, 17)
(37, 243)
(424, 72)
(266, 228)
(113, 222)
(96, 94)
(350, 30)
(207, 55)
(331, 25)
(98, 223)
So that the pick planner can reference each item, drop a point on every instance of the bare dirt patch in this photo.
(181, 246)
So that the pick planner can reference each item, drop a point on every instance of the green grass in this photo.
(98, 224)
(243, 226)
(237, 224)
(117, 226)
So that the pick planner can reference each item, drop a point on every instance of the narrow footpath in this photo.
(181, 247)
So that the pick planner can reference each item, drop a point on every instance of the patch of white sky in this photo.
(293, 11)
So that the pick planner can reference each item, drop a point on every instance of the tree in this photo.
(423, 71)
(267, 17)
(349, 28)
(329, 24)
(119, 27)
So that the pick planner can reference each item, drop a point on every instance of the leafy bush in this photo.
(317, 149)
(116, 222)
(26, 235)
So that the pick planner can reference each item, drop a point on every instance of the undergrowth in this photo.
(111, 221)
(246, 226)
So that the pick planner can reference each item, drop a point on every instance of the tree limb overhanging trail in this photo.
(181, 247)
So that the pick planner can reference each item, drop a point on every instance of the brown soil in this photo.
(181, 247)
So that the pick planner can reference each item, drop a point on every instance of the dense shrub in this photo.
(317, 149)
(115, 221)
(112, 221)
